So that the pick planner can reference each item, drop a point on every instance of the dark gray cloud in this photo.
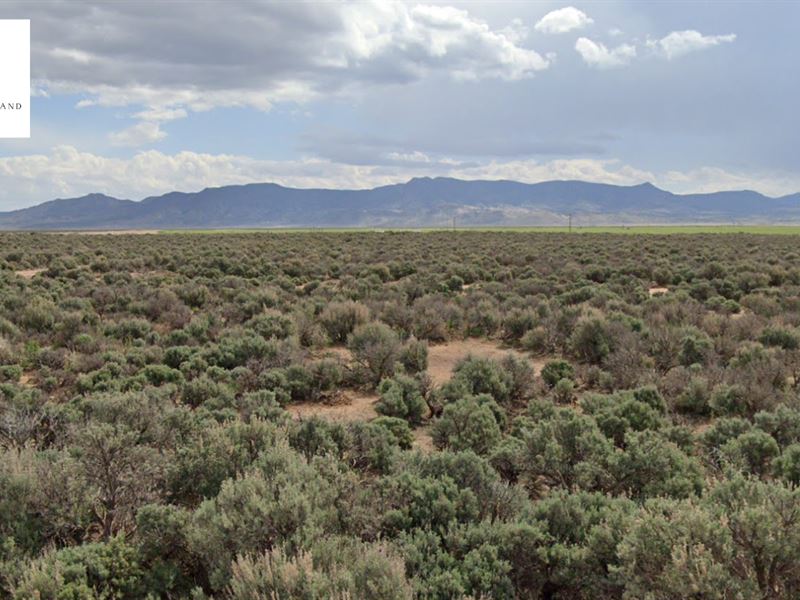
(205, 54)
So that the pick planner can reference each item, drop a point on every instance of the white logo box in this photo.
(15, 78)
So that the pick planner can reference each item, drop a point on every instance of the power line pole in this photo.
(454, 223)
(570, 222)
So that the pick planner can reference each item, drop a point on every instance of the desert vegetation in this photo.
(399, 415)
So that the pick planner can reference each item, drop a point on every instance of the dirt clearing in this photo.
(352, 406)
(423, 440)
(443, 358)
(29, 273)
(658, 291)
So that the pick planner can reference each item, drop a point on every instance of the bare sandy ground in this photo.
(442, 358)
(657, 291)
(423, 440)
(353, 406)
(29, 273)
(153, 273)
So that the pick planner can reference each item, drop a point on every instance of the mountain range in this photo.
(420, 202)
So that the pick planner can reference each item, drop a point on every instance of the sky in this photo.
(134, 99)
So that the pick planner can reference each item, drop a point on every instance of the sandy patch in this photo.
(336, 352)
(155, 273)
(658, 291)
(29, 273)
(423, 440)
(700, 427)
(442, 358)
(353, 406)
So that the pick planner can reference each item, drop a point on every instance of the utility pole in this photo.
(570, 222)
(454, 223)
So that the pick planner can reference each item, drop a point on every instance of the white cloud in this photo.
(67, 172)
(678, 43)
(516, 31)
(161, 114)
(145, 132)
(598, 55)
(713, 179)
(416, 40)
(563, 20)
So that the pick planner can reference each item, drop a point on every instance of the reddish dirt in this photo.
(29, 273)
(443, 358)
(353, 406)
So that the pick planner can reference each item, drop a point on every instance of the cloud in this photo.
(408, 42)
(145, 132)
(161, 114)
(563, 20)
(257, 54)
(713, 179)
(678, 43)
(67, 172)
(343, 146)
(79, 56)
(598, 55)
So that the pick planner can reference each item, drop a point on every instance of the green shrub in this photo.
(340, 319)
(398, 428)
(375, 348)
(466, 425)
(564, 391)
(752, 452)
(695, 398)
(695, 348)
(729, 400)
(271, 324)
(556, 370)
(780, 337)
(93, 570)
(414, 356)
(484, 376)
(591, 341)
(401, 397)
(10, 373)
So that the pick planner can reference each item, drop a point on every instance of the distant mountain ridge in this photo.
(420, 202)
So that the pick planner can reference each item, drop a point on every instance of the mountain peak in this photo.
(90, 196)
(420, 202)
